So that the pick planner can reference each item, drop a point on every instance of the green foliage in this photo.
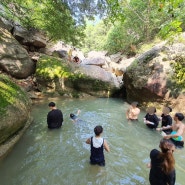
(179, 72)
(141, 24)
(142, 21)
(51, 68)
(9, 92)
(52, 17)
(170, 29)
(96, 36)
(117, 39)
(174, 10)
(60, 19)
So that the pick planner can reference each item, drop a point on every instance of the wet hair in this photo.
(71, 115)
(51, 104)
(180, 116)
(168, 161)
(98, 130)
(135, 103)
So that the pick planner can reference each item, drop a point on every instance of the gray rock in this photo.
(98, 73)
(14, 59)
(94, 61)
(30, 38)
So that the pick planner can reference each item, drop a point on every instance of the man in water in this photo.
(178, 128)
(54, 117)
(133, 112)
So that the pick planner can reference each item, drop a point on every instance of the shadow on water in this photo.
(61, 157)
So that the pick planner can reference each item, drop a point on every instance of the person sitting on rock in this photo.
(76, 60)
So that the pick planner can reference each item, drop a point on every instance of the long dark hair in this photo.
(168, 161)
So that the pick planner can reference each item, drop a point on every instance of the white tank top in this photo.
(97, 142)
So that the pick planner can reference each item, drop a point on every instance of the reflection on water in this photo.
(61, 157)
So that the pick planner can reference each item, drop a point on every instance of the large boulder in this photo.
(4, 23)
(15, 110)
(98, 54)
(14, 59)
(154, 76)
(98, 73)
(56, 75)
(94, 61)
(29, 37)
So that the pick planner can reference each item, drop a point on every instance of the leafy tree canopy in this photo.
(65, 19)
(60, 19)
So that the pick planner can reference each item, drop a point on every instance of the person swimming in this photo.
(74, 117)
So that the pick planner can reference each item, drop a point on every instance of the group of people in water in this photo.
(162, 164)
(171, 131)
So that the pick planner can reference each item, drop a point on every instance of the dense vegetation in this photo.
(136, 22)
(133, 21)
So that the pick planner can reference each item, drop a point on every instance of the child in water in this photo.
(98, 144)
(74, 117)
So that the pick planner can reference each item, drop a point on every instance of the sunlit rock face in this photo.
(152, 76)
(14, 59)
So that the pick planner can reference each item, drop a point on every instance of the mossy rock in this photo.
(54, 74)
(14, 108)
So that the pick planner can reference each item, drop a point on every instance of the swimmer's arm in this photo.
(78, 112)
(88, 141)
(106, 146)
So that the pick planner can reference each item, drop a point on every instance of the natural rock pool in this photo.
(61, 157)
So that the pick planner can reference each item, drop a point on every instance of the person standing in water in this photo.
(54, 117)
(98, 144)
(178, 129)
(162, 165)
(133, 112)
(151, 120)
(166, 119)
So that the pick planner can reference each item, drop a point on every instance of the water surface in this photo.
(61, 157)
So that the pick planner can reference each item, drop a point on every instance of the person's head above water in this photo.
(151, 110)
(134, 104)
(166, 146)
(167, 110)
(179, 116)
(51, 104)
(98, 130)
(72, 115)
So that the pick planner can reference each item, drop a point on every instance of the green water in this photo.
(61, 157)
